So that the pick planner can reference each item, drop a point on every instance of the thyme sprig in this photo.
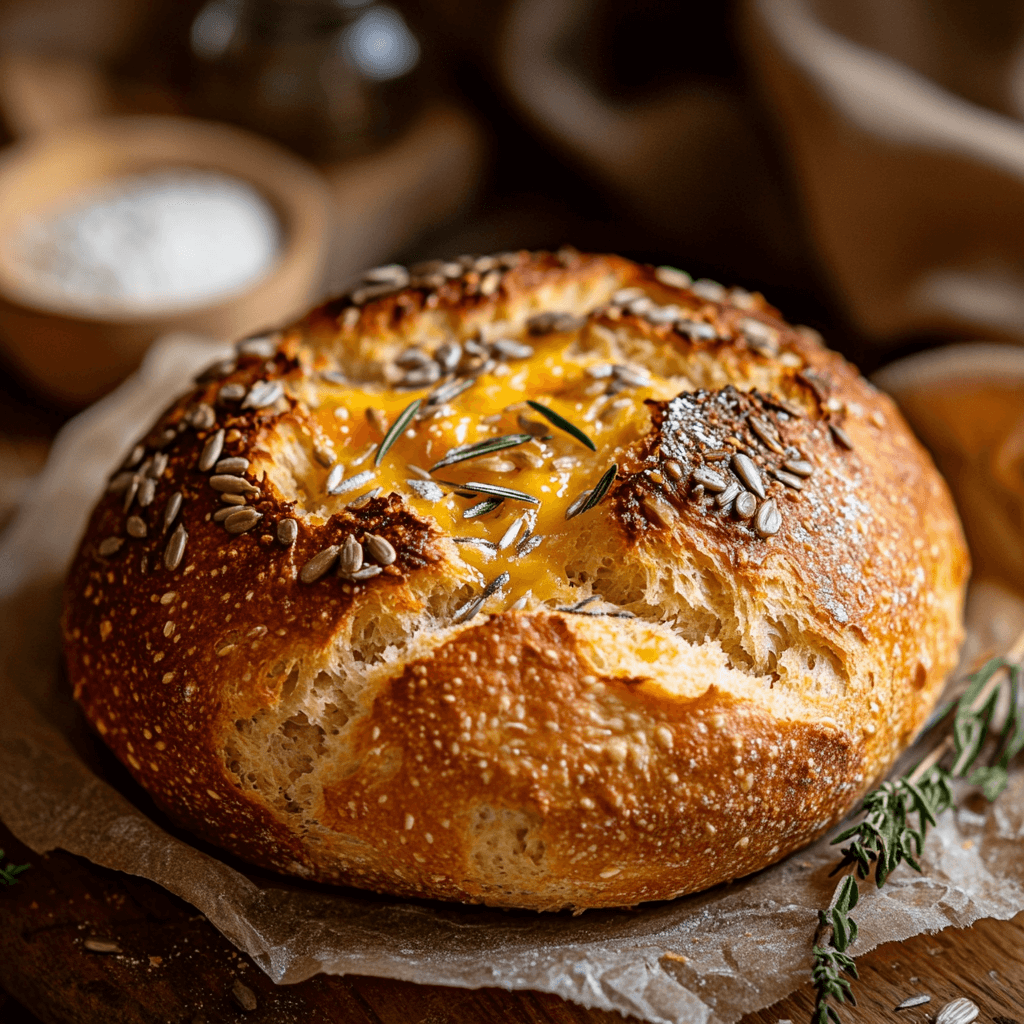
(897, 815)
(9, 872)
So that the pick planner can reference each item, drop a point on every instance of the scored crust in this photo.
(622, 698)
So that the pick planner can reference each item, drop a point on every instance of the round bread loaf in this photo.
(537, 580)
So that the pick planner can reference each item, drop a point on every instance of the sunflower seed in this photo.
(800, 467)
(324, 456)
(657, 510)
(426, 489)
(101, 946)
(919, 1000)
(760, 337)
(201, 416)
(447, 392)
(673, 277)
(465, 612)
(158, 465)
(231, 393)
(229, 483)
(447, 355)
(216, 370)
(493, 464)
(525, 459)
(135, 456)
(729, 495)
(768, 520)
(366, 573)
(236, 464)
(490, 282)
(242, 519)
(380, 549)
(959, 1011)
(263, 393)
(818, 385)
(243, 996)
(422, 474)
(287, 531)
(708, 289)
(164, 438)
(320, 563)
(232, 499)
(131, 490)
(519, 605)
(374, 291)
(391, 273)
(746, 505)
(789, 479)
(508, 348)
(136, 527)
(765, 434)
(841, 436)
(334, 377)
(147, 491)
(352, 483)
(211, 451)
(481, 508)
(171, 510)
(110, 546)
(263, 346)
(421, 376)
(718, 454)
(120, 483)
(553, 322)
(228, 510)
(641, 306)
(351, 558)
(659, 315)
(175, 549)
(697, 493)
(527, 544)
(710, 479)
(624, 296)
(744, 467)
(364, 499)
(479, 542)
(429, 281)
(674, 469)
(695, 330)
(376, 419)
(411, 358)
(509, 536)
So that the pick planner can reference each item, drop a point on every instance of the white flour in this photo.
(158, 239)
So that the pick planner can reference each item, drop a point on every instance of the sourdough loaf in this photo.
(356, 610)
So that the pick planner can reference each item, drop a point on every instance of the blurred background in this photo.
(859, 163)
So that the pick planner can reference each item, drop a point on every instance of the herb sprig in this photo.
(897, 815)
(9, 872)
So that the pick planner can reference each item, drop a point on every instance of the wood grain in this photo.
(175, 968)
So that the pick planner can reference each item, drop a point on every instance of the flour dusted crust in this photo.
(675, 686)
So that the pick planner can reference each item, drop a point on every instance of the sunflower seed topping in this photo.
(421, 376)
(508, 348)
(233, 499)
(718, 454)
(449, 391)
(672, 277)
(228, 483)
(101, 946)
(729, 495)
(147, 491)
(136, 527)
(374, 291)
(351, 558)
(746, 505)
(243, 996)
(696, 330)
(447, 355)
(380, 549)
(552, 322)
(764, 433)
(911, 1001)
(211, 451)
(110, 546)
(201, 416)
(959, 1011)
(745, 468)
(228, 510)
(509, 536)
(242, 519)
(768, 520)
(287, 532)
(799, 467)
(465, 612)
(426, 489)
(353, 483)
(134, 457)
(171, 510)
(131, 490)
(233, 392)
(319, 564)
(366, 573)
(263, 346)
(121, 482)
(481, 508)
(789, 479)
(364, 499)
(263, 393)
(479, 542)
(157, 466)
(674, 469)
(175, 549)
(760, 337)
(710, 479)
(624, 296)
(841, 436)
(217, 370)
(708, 289)
(236, 464)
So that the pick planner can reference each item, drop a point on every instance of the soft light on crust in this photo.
(549, 701)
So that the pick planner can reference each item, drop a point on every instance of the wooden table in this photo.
(175, 968)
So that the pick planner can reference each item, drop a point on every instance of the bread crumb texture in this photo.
(354, 609)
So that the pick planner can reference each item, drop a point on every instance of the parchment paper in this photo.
(710, 957)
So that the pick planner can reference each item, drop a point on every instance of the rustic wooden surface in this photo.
(175, 968)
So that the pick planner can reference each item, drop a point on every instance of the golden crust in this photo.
(740, 674)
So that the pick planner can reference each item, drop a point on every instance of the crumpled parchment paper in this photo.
(709, 957)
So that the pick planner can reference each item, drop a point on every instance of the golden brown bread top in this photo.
(292, 654)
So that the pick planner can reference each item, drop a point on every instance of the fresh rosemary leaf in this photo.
(500, 492)
(562, 423)
(405, 417)
(601, 488)
(474, 451)
(9, 872)
(481, 509)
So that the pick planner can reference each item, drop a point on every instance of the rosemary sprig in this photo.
(9, 872)
(405, 417)
(487, 447)
(562, 423)
(897, 815)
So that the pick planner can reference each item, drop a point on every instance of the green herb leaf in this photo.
(562, 423)
(9, 872)
(500, 492)
(481, 509)
(475, 451)
(600, 488)
(405, 417)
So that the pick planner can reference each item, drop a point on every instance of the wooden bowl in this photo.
(73, 356)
